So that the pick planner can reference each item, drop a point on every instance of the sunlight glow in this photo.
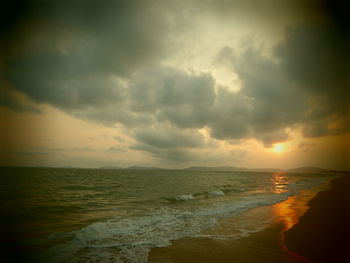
(278, 148)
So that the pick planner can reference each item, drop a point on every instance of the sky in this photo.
(175, 83)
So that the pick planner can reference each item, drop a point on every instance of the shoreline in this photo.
(322, 233)
(266, 245)
(263, 246)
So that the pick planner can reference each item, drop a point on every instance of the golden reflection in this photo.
(286, 212)
(280, 182)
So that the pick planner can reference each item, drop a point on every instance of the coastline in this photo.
(263, 246)
(252, 235)
(322, 233)
(267, 245)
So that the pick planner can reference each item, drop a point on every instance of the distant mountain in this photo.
(266, 170)
(68, 167)
(112, 168)
(308, 169)
(130, 168)
(215, 168)
(144, 168)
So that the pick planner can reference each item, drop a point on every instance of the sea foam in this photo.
(130, 239)
(217, 192)
(184, 198)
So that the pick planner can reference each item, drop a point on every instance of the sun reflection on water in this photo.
(286, 213)
(289, 211)
(280, 182)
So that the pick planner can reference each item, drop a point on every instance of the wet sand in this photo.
(263, 246)
(323, 232)
(321, 235)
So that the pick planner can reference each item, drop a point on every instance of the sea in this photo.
(109, 215)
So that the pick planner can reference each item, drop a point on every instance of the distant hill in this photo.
(112, 168)
(231, 169)
(308, 169)
(215, 168)
(130, 168)
(266, 170)
(144, 168)
(67, 167)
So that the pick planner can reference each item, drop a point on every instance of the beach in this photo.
(263, 246)
(309, 228)
(99, 215)
(174, 131)
(322, 234)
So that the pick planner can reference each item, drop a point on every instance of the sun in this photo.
(278, 148)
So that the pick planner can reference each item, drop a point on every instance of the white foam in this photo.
(130, 239)
(217, 192)
(184, 198)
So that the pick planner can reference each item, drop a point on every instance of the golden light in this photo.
(278, 148)
(285, 213)
(280, 182)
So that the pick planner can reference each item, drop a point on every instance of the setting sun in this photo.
(278, 148)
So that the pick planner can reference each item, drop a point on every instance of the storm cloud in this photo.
(107, 62)
(169, 143)
(315, 58)
(73, 54)
(173, 95)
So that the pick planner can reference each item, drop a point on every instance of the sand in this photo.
(323, 232)
(321, 235)
(261, 247)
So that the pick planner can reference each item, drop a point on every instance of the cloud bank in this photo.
(105, 62)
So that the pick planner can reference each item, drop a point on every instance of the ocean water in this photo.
(98, 215)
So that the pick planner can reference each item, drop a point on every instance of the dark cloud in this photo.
(105, 61)
(170, 138)
(173, 95)
(15, 100)
(172, 155)
(229, 118)
(264, 106)
(304, 84)
(190, 101)
(52, 79)
(169, 143)
(235, 117)
(111, 35)
(71, 53)
(315, 58)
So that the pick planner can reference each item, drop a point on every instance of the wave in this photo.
(184, 198)
(130, 239)
(217, 192)
(226, 189)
